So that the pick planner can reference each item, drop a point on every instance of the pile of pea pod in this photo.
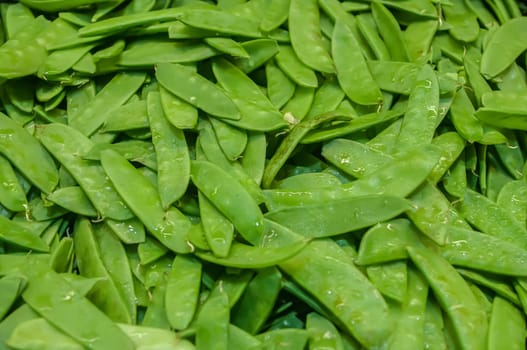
(263, 174)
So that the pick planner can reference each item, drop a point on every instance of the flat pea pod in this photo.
(221, 188)
(66, 144)
(172, 154)
(155, 315)
(197, 91)
(464, 23)
(245, 256)
(14, 233)
(368, 29)
(212, 322)
(74, 199)
(231, 139)
(57, 5)
(40, 170)
(258, 300)
(409, 332)
(488, 217)
(219, 231)
(322, 333)
(24, 264)
(145, 338)
(328, 97)
(260, 51)
(505, 101)
(356, 79)
(501, 50)
(506, 326)
(316, 220)
(422, 114)
(129, 231)
(390, 32)
(297, 71)
(12, 195)
(182, 291)
(279, 87)
(228, 46)
(170, 227)
(465, 248)
(455, 297)
(299, 105)
(462, 114)
(150, 250)
(390, 279)
(40, 334)
(512, 197)
(286, 339)
(276, 14)
(221, 22)
(55, 299)
(11, 286)
(306, 39)
(114, 94)
(178, 112)
(351, 298)
(239, 339)
(134, 150)
(105, 295)
(418, 36)
(495, 283)
(253, 159)
(257, 112)
(386, 242)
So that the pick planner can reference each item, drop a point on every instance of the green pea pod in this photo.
(395, 76)
(130, 116)
(182, 291)
(276, 14)
(11, 287)
(390, 279)
(58, 5)
(12, 232)
(506, 326)
(212, 323)
(145, 338)
(297, 71)
(257, 112)
(260, 52)
(62, 255)
(299, 105)
(38, 333)
(155, 314)
(501, 52)
(494, 283)
(468, 319)
(66, 144)
(227, 46)
(219, 231)
(306, 39)
(464, 23)
(74, 199)
(231, 139)
(239, 339)
(12, 195)
(368, 29)
(170, 227)
(173, 159)
(280, 88)
(356, 80)
(221, 22)
(512, 198)
(258, 300)
(129, 231)
(197, 91)
(150, 250)
(245, 256)
(23, 264)
(55, 299)
(178, 112)
(220, 187)
(106, 294)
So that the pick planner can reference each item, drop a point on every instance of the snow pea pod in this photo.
(66, 144)
(257, 112)
(32, 160)
(134, 150)
(495, 283)
(74, 199)
(513, 198)
(279, 87)
(306, 39)
(173, 159)
(322, 333)
(12, 232)
(231, 139)
(221, 22)
(12, 195)
(11, 286)
(468, 319)
(506, 326)
(502, 49)
(219, 231)
(390, 32)
(463, 22)
(182, 291)
(390, 279)
(145, 338)
(260, 51)
(178, 112)
(212, 322)
(275, 15)
(317, 220)
(221, 188)
(355, 79)
(249, 257)
(56, 300)
(297, 71)
(114, 94)
(170, 227)
(197, 91)
(58, 5)
(40, 334)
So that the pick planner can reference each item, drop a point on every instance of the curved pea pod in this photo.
(306, 39)
(297, 71)
(12, 195)
(105, 295)
(149, 52)
(462, 114)
(468, 319)
(178, 112)
(38, 333)
(387, 242)
(318, 219)
(173, 159)
(11, 287)
(221, 22)
(483, 252)
(58, 5)
(258, 300)
(228, 46)
(356, 79)
(146, 338)
(249, 257)
(390, 279)
(182, 291)
(230, 197)
(502, 50)
(506, 326)
(56, 300)
(257, 112)
(32, 160)
(322, 333)
(231, 139)
(197, 90)
(170, 227)
(155, 315)
(74, 199)
(500, 119)
(352, 300)
(24, 264)
(275, 15)
(494, 283)
(14, 233)
(394, 76)
(219, 231)
(308, 181)
(260, 51)
(67, 144)
(463, 22)
(129, 231)
(130, 116)
(110, 97)
(253, 159)
(513, 198)
(488, 217)
(286, 339)
(212, 323)
(280, 88)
